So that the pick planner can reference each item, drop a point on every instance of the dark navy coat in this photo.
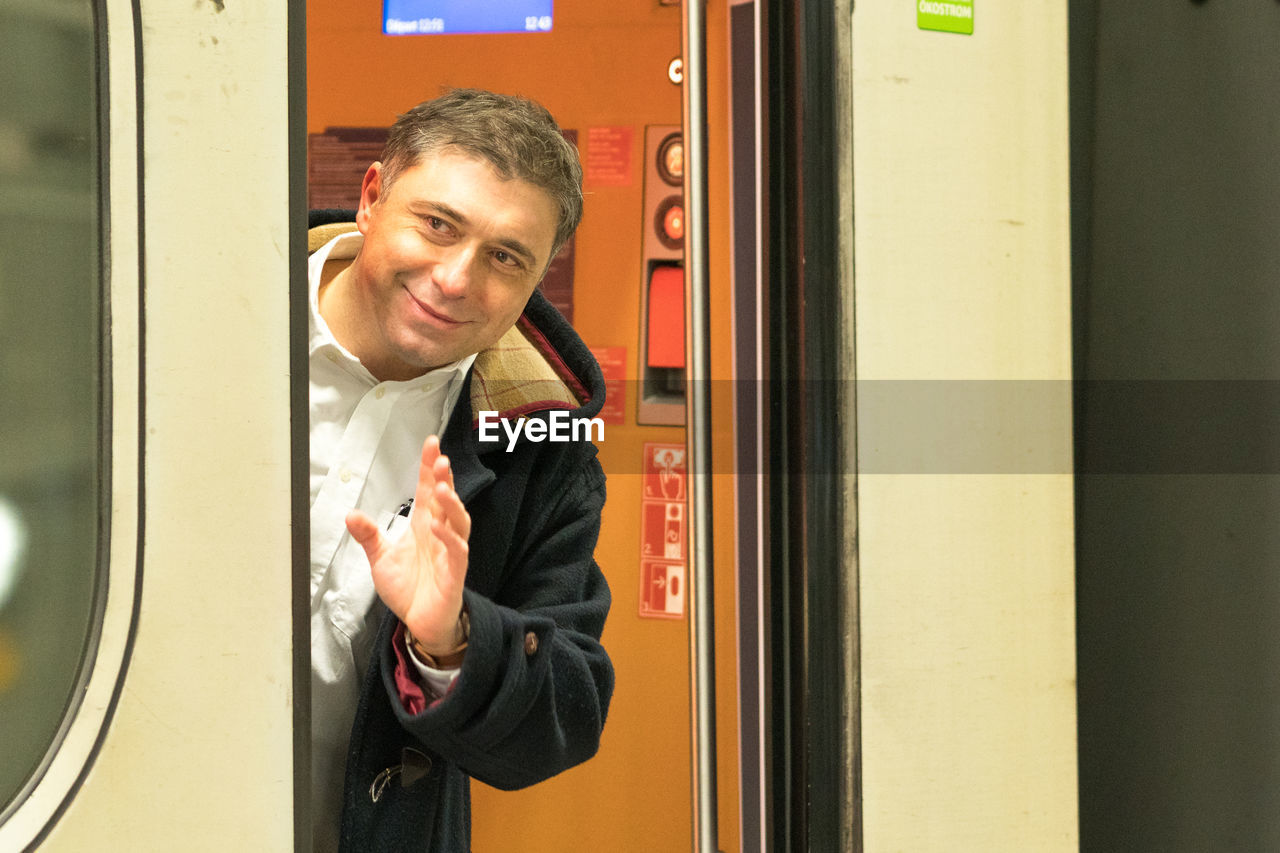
(534, 688)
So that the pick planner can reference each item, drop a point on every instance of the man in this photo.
(456, 607)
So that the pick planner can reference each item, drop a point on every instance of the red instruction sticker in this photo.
(662, 530)
(613, 364)
(664, 472)
(609, 156)
(661, 590)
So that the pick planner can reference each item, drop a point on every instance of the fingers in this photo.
(455, 548)
(450, 523)
(364, 531)
(448, 472)
(426, 472)
(448, 507)
(436, 497)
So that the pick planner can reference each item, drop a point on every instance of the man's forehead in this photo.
(446, 158)
(447, 151)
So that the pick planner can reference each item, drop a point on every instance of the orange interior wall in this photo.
(603, 64)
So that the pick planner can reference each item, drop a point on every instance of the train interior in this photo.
(605, 72)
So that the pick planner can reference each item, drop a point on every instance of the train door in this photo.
(915, 238)
(914, 429)
(146, 650)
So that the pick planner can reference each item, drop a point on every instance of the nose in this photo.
(452, 273)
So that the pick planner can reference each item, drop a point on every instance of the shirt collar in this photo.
(344, 247)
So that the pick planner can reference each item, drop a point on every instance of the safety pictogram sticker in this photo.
(661, 590)
(664, 532)
(664, 472)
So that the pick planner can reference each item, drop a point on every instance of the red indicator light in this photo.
(673, 223)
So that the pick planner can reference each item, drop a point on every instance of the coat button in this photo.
(530, 643)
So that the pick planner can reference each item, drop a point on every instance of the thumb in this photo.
(364, 531)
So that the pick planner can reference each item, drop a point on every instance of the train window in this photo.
(51, 376)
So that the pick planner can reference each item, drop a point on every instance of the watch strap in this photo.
(449, 660)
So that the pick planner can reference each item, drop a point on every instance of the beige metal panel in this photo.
(199, 755)
(966, 576)
(961, 208)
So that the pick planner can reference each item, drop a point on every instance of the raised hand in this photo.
(420, 576)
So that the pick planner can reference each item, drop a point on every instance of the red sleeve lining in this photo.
(412, 695)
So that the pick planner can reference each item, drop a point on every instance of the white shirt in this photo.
(366, 443)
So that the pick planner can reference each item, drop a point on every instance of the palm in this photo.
(420, 576)
(411, 576)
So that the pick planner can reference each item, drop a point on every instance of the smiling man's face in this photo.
(451, 254)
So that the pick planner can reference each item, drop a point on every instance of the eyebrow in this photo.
(441, 209)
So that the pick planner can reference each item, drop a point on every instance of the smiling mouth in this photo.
(442, 319)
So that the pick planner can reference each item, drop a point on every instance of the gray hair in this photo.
(515, 135)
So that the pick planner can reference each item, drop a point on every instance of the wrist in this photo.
(448, 654)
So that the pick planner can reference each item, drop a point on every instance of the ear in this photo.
(370, 192)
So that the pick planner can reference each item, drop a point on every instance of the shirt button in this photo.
(333, 356)
(530, 643)
(345, 475)
(380, 393)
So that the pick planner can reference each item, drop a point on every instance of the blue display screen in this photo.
(428, 17)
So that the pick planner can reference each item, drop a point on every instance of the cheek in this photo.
(403, 252)
(505, 317)
(398, 249)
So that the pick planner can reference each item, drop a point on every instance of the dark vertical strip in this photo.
(299, 422)
(806, 574)
(742, 72)
(1082, 70)
(787, 568)
(821, 436)
(792, 449)
(1082, 31)
(785, 828)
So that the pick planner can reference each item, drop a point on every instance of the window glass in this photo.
(51, 400)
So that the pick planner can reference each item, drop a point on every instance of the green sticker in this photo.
(948, 16)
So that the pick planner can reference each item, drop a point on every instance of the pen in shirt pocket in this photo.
(402, 512)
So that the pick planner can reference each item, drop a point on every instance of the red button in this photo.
(673, 223)
(666, 317)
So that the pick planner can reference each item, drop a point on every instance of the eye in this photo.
(506, 259)
(435, 228)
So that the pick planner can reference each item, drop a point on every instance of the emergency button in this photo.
(666, 317)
